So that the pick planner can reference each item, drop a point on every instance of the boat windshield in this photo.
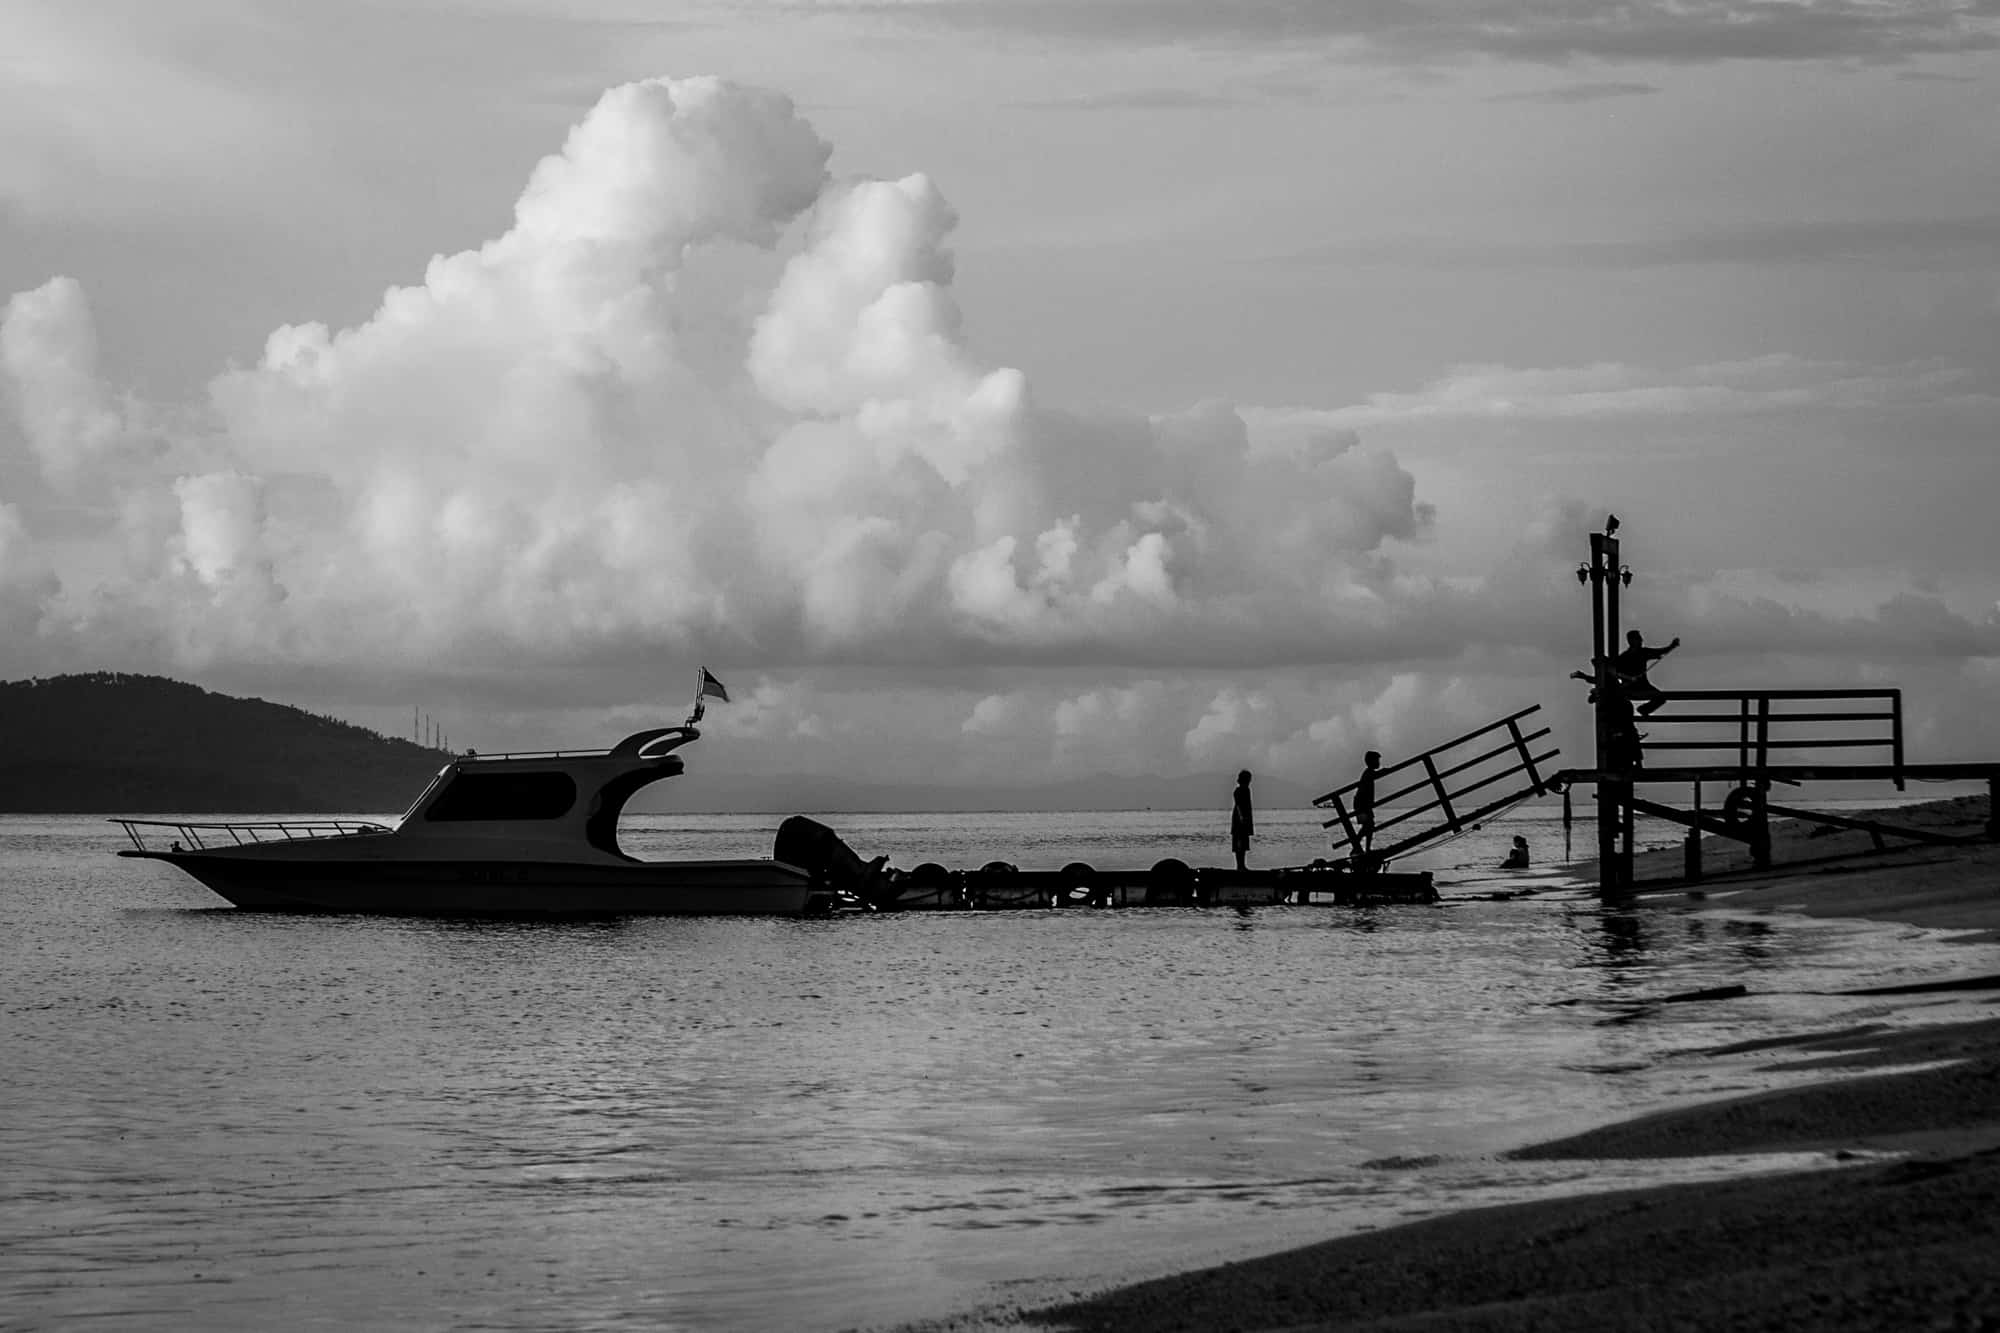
(425, 794)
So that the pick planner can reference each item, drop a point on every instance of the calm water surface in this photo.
(222, 1119)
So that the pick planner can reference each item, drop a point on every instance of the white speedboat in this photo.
(532, 834)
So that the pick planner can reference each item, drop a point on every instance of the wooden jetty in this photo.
(1747, 740)
(1001, 886)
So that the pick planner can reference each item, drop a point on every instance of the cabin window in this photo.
(505, 796)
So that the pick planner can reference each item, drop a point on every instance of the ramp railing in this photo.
(1445, 775)
(1759, 729)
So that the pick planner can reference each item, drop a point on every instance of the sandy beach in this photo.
(1867, 1243)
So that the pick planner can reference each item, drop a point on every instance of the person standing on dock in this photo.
(1632, 665)
(1242, 819)
(1364, 802)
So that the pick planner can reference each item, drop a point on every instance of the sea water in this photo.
(221, 1119)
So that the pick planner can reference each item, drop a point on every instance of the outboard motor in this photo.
(818, 850)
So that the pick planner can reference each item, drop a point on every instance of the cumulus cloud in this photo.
(27, 584)
(566, 444)
(702, 399)
(48, 359)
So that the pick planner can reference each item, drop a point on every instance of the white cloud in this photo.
(548, 446)
(1537, 31)
(48, 359)
(1610, 392)
(701, 400)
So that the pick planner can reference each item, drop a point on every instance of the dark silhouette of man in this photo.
(1632, 665)
(1242, 820)
(1623, 746)
(1517, 856)
(1364, 802)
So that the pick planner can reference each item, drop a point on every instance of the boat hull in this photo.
(493, 888)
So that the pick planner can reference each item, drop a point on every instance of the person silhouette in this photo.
(1242, 819)
(1364, 802)
(1632, 664)
(1517, 856)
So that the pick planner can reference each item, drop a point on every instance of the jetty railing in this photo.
(1762, 729)
(1445, 776)
(194, 836)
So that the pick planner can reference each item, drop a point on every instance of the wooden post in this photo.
(1691, 850)
(1743, 740)
(1896, 734)
(1614, 812)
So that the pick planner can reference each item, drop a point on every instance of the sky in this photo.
(1000, 391)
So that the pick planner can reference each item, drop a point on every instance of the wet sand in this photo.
(1913, 1242)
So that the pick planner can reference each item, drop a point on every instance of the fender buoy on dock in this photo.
(1076, 886)
(997, 884)
(1742, 805)
(1170, 881)
(930, 885)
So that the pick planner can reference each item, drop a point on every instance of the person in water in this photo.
(1242, 819)
(1631, 667)
(1517, 857)
(1364, 802)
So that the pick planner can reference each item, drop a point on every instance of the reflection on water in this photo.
(226, 1119)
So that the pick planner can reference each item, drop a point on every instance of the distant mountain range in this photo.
(111, 743)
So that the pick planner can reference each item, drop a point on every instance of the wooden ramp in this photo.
(1498, 756)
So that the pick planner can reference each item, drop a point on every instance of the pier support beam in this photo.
(1614, 799)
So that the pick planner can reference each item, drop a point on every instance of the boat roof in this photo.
(641, 746)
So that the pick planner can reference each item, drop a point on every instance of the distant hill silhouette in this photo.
(109, 743)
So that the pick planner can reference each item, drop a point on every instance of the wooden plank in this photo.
(1527, 759)
(1694, 819)
(1473, 818)
(1402, 817)
(1494, 753)
(1725, 718)
(1764, 733)
(1874, 826)
(1853, 743)
(1896, 729)
(1444, 797)
(1381, 773)
(1346, 824)
(1500, 777)
(1782, 694)
(1789, 773)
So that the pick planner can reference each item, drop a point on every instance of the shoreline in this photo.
(1861, 1243)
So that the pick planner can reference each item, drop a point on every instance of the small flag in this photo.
(711, 688)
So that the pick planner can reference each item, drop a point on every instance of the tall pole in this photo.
(1621, 793)
(1601, 574)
